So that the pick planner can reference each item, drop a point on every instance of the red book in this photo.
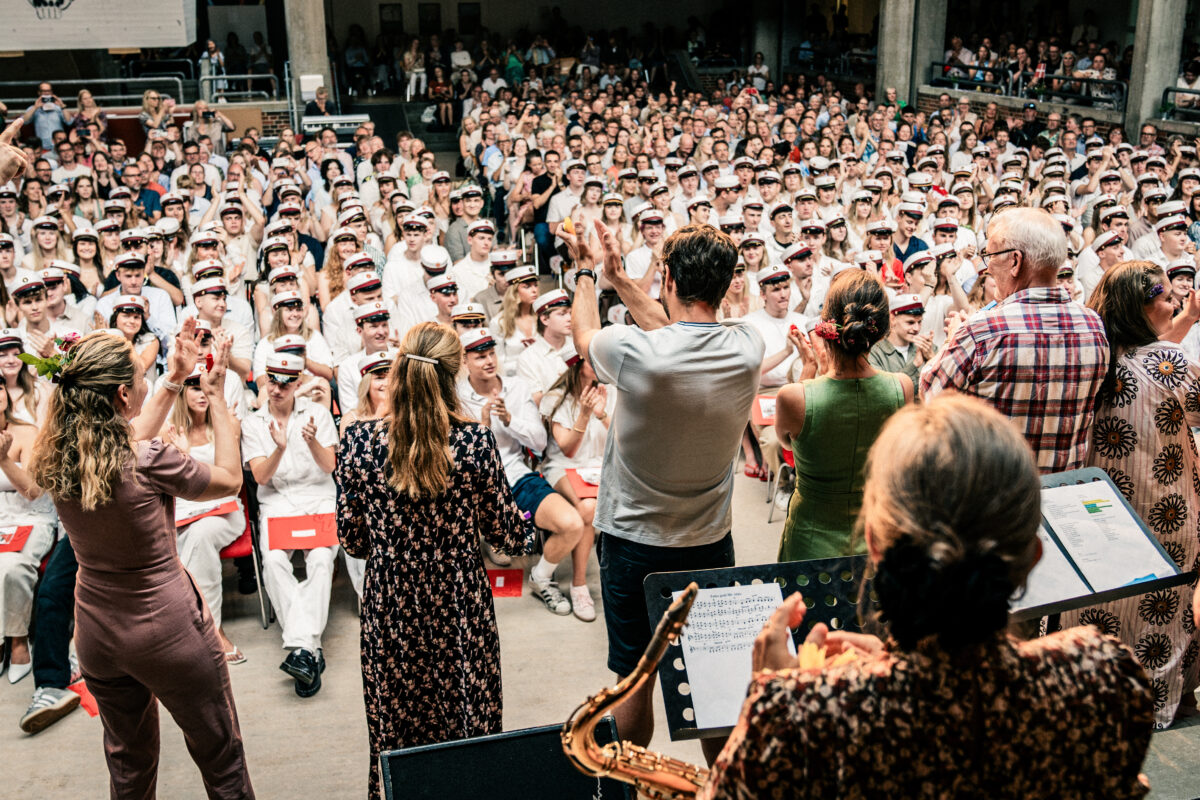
(14, 537)
(306, 532)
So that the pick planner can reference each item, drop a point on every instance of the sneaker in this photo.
(76, 672)
(783, 500)
(549, 594)
(499, 559)
(48, 706)
(581, 604)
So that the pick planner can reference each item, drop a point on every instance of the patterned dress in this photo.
(1067, 716)
(1142, 438)
(430, 649)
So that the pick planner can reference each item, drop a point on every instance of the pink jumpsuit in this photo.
(144, 634)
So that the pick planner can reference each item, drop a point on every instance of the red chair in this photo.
(244, 546)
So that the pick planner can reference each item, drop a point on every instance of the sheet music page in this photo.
(1052, 579)
(1102, 536)
(717, 645)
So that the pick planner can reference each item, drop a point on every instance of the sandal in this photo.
(751, 471)
(234, 656)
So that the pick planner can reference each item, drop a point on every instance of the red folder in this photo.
(306, 532)
(583, 489)
(506, 582)
(219, 511)
(14, 537)
(759, 408)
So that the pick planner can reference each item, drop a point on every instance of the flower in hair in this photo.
(52, 366)
(828, 329)
(871, 326)
(1154, 291)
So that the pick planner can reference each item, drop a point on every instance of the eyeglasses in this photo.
(987, 256)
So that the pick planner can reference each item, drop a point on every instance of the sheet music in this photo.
(717, 645)
(1052, 579)
(1102, 537)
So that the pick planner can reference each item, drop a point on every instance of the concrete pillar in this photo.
(1157, 47)
(306, 41)
(765, 37)
(929, 35)
(895, 49)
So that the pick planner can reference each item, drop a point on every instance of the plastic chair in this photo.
(247, 545)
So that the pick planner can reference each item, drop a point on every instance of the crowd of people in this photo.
(845, 254)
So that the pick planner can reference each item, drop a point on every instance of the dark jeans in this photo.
(624, 566)
(545, 243)
(54, 615)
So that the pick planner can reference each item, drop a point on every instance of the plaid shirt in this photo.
(1037, 358)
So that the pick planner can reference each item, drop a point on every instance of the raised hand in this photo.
(6, 440)
(309, 431)
(614, 265)
(186, 351)
(278, 434)
(212, 379)
(12, 159)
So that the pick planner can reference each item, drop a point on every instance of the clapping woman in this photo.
(143, 632)
(416, 490)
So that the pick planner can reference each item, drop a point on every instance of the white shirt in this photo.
(774, 331)
(637, 264)
(402, 276)
(299, 486)
(162, 311)
(541, 365)
(471, 276)
(317, 351)
(525, 429)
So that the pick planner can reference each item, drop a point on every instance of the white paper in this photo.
(766, 405)
(1052, 579)
(717, 646)
(589, 475)
(1102, 537)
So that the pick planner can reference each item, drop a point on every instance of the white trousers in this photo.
(355, 568)
(302, 607)
(18, 577)
(200, 546)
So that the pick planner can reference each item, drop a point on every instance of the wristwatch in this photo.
(591, 274)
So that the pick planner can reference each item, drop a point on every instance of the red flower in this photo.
(827, 330)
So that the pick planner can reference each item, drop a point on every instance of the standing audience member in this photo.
(415, 491)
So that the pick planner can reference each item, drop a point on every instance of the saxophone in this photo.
(654, 775)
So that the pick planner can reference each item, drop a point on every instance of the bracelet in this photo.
(172, 387)
(604, 417)
(578, 430)
(585, 271)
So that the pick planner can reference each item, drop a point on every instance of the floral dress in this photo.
(1065, 716)
(1142, 438)
(430, 649)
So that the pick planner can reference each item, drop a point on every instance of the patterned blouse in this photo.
(1065, 716)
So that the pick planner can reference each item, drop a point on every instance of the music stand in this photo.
(516, 765)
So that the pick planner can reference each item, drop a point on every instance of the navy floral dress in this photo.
(430, 649)
(1143, 439)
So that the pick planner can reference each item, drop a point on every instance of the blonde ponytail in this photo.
(423, 405)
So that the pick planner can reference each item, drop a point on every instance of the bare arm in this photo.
(225, 477)
(147, 424)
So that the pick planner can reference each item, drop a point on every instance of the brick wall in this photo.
(273, 122)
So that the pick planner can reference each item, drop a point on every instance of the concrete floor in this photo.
(318, 747)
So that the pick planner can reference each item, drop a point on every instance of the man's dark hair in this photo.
(321, 132)
(701, 260)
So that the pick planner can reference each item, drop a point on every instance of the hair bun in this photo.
(861, 327)
(962, 602)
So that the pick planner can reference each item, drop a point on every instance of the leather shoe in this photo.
(302, 666)
(310, 689)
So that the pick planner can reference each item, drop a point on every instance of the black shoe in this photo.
(302, 666)
(309, 690)
(247, 581)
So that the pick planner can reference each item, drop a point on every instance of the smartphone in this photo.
(207, 115)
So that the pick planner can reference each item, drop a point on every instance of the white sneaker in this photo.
(549, 594)
(582, 605)
(49, 705)
(499, 559)
(783, 500)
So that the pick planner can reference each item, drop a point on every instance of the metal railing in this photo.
(1171, 109)
(1029, 85)
(942, 74)
(166, 66)
(139, 85)
(214, 91)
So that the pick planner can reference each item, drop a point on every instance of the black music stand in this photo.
(516, 765)
(830, 587)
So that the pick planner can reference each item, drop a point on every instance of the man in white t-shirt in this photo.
(540, 363)
(685, 384)
(471, 271)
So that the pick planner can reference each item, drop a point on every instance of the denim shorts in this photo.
(624, 566)
(530, 491)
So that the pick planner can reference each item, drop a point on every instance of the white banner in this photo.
(88, 24)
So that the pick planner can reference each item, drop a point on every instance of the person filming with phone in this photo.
(207, 122)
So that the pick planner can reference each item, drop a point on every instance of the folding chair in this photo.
(246, 545)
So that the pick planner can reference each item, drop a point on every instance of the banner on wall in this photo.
(91, 24)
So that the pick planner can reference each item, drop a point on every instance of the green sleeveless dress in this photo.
(841, 420)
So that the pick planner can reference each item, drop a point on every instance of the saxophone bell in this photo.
(653, 774)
